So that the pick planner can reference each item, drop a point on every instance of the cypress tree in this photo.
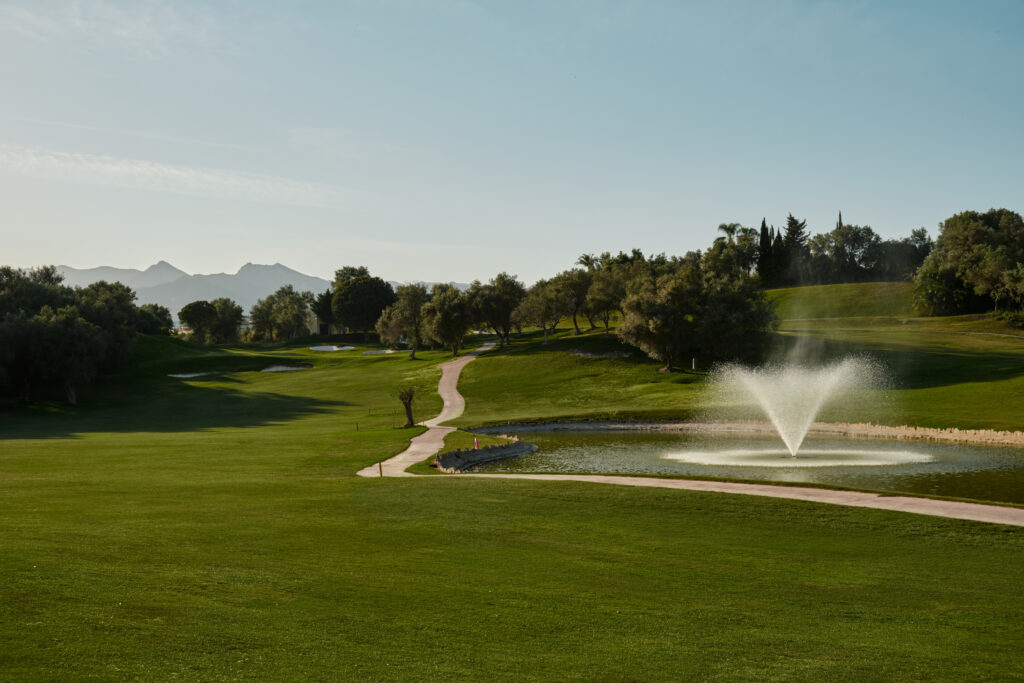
(764, 255)
(778, 257)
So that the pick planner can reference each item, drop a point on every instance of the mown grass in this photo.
(123, 564)
(864, 299)
(213, 529)
(581, 377)
(964, 371)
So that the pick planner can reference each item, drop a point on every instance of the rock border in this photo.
(856, 430)
(453, 462)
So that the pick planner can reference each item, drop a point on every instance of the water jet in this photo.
(792, 395)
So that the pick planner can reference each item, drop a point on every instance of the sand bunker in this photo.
(380, 351)
(285, 368)
(190, 375)
(331, 348)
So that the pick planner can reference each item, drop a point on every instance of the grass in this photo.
(461, 440)
(218, 568)
(213, 529)
(965, 371)
(572, 378)
(869, 299)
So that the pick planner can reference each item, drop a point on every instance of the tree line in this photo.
(51, 334)
(977, 265)
(708, 304)
(792, 257)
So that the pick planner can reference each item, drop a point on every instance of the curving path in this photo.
(431, 441)
(977, 512)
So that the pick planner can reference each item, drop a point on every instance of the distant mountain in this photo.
(251, 283)
(168, 286)
(157, 274)
(429, 285)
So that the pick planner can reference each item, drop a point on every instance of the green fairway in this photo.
(143, 563)
(965, 371)
(213, 529)
(869, 299)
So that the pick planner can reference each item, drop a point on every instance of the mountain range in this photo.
(172, 287)
(168, 286)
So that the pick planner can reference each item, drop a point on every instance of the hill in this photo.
(862, 299)
(157, 274)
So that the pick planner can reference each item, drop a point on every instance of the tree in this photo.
(589, 261)
(659, 315)
(111, 307)
(154, 319)
(228, 319)
(53, 334)
(607, 290)
(849, 253)
(543, 306)
(407, 395)
(404, 318)
(704, 308)
(282, 315)
(346, 273)
(323, 307)
(201, 316)
(900, 259)
(573, 286)
(794, 245)
(446, 317)
(979, 250)
(359, 301)
(765, 259)
(72, 346)
(493, 304)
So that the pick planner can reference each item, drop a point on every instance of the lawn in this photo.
(866, 299)
(213, 529)
(965, 371)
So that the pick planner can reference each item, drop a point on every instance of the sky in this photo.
(451, 140)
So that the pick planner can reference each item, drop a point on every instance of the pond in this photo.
(992, 473)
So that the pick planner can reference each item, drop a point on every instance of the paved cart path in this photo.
(431, 441)
(977, 512)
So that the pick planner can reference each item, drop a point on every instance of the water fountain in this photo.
(792, 395)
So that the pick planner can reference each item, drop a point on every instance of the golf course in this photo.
(213, 527)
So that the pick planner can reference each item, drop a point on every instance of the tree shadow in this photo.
(182, 407)
(911, 368)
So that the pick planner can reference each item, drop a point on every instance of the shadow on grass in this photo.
(919, 368)
(179, 408)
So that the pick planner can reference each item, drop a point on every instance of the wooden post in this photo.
(380, 468)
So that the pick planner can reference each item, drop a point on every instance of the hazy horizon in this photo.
(453, 140)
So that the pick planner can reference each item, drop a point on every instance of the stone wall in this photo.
(461, 461)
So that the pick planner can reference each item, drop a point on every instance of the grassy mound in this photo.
(867, 299)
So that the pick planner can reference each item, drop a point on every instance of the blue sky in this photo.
(451, 140)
